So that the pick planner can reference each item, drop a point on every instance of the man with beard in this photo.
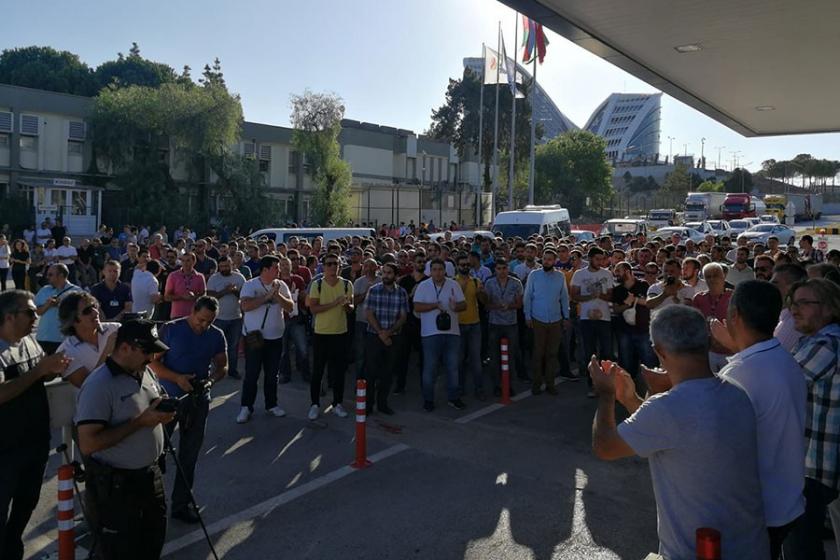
(592, 288)
(225, 285)
(411, 332)
(546, 302)
(633, 337)
(184, 369)
(386, 308)
(524, 269)
(740, 271)
(691, 277)
(764, 265)
(184, 287)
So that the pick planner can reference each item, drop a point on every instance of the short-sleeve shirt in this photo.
(110, 396)
(684, 295)
(640, 290)
(83, 354)
(496, 294)
(111, 302)
(361, 286)
(428, 292)
(469, 286)
(189, 353)
(48, 324)
(178, 284)
(144, 286)
(700, 441)
(592, 284)
(66, 255)
(386, 304)
(229, 309)
(25, 418)
(268, 317)
(333, 321)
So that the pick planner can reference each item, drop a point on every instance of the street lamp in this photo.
(719, 148)
(702, 151)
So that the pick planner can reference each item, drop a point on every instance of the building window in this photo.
(4, 140)
(74, 147)
(265, 166)
(29, 143)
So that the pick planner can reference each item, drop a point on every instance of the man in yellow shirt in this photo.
(470, 325)
(330, 299)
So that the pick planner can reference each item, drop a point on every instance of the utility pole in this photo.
(719, 148)
(671, 149)
(702, 151)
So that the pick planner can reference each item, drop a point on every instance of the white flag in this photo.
(491, 61)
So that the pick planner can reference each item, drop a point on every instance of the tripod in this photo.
(168, 447)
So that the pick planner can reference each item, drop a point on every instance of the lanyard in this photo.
(437, 292)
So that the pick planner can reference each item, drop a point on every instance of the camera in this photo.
(443, 321)
(200, 386)
(168, 405)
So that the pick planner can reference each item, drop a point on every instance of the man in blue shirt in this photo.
(184, 371)
(47, 300)
(546, 304)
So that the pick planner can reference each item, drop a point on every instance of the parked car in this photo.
(683, 231)
(737, 227)
(583, 235)
(768, 219)
(703, 227)
(618, 228)
(720, 227)
(761, 232)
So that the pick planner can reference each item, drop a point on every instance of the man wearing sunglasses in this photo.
(89, 341)
(47, 301)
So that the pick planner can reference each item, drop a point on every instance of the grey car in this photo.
(762, 232)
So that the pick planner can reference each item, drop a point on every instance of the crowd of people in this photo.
(734, 346)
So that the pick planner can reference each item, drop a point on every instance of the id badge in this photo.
(115, 303)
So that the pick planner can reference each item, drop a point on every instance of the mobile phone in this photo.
(168, 405)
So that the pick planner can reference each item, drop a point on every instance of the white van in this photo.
(282, 235)
(471, 234)
(540, 220)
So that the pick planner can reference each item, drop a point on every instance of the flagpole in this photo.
(480, 135)
(511, 173)
(496, 119)
(533, 133)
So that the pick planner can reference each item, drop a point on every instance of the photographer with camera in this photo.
(120, 417)
(436, 300)
(195, 344)
(670, 290)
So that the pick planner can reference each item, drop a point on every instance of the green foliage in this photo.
(710, 185)
(572, 168)
(243, 188)
(134, 70)
(677, 181)
(47, 68)
(739, 181)
(16, 211)
(316, 118)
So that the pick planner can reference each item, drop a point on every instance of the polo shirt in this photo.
(229, 309)
(144, 286)
(112, 396)
(111, 302)
(333, 321)
(84, 354)
(189, 353)
(178, 284)
(268, 317)
(469, 286)
(25, 418)
(49, 327)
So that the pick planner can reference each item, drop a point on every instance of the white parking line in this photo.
(496, 406)
(264, 508)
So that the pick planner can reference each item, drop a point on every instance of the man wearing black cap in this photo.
(121, 438)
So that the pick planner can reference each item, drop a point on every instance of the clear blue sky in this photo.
(390, 61)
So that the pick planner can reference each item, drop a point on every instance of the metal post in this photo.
(511, 173)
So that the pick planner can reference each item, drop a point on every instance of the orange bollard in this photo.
(361, 426)
(708, 544)
(66, 531)
(505, 372)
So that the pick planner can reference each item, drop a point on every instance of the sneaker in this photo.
(457, 404)
(244, 415)
(428, 406)
(277, 412)
(314, 411)
(339, 411)
(591, 394)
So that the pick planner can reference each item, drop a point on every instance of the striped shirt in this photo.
(386, 304)
(818, 356)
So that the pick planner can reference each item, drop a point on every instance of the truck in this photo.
(701, 206)
(737, 206)
(662, 217)
(808, 206)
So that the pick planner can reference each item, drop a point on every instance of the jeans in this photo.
(192, 422)
(266, 359)
(547, 339)
(330, 352)
(494, 338)
(295, 334)
(232, 329)
(437, 347)
(470, 361)
(804, 542)
(383, 362)
(596, 334)
(634, 348)
(21, 473)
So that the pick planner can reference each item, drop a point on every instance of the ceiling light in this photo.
(689, 48)
(765, 108)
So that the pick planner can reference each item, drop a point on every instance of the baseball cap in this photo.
(143, 333)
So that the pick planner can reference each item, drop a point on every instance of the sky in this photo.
(389, 61)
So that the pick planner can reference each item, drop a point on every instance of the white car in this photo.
(737, 227)
(703, 227)
(720, 227)
(683, 231)
(761, 232)
(768, 219)
(583, 235)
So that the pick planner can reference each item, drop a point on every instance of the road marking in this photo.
(496, 406)
(266, 507)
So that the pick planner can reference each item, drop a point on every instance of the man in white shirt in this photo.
(225, 285)
(740, 271)
(88, 341)
(67, 256)
(145, 288)
(776, 386)
(670, 290)
(43, 233)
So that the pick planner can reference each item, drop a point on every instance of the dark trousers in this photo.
(548, 337)
(633, 349)
(804, 542)
(777, 538)
(19, 276)
(267, 360)
(597, 340)
(331, 351)
(411, 340)
(127, 509)
(49, 347)
(21, 472)
(4, 274)
(192, 423)
(383, 362)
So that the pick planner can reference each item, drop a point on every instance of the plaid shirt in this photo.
(818, 355)
(386, 305)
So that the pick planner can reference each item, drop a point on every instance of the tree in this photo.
(628, 178)
(571, 169)
(134, 70)
(316, 118)
(46, 68)
(739, 181)
(457, 121)
(213, 76)
(242, 187)
(677, 182)
(710, 185)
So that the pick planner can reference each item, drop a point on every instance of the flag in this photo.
(511, 67)
(491, 60)
(534, 41)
